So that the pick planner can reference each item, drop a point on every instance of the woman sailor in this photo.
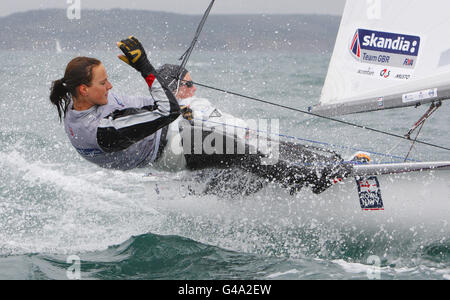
(112, 131)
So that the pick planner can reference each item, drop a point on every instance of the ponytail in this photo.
(59, 96)
(78, 72)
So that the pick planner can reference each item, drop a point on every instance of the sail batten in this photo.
(388, 54)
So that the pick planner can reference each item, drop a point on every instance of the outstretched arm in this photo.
(122, 128)
(135, 56)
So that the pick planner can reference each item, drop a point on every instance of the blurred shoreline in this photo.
(99, 30)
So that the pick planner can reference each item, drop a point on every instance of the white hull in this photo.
(408, 190)
(412, 198)
(417, 197)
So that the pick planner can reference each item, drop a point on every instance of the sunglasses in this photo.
(189, 84)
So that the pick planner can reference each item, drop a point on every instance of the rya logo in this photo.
(408, 62)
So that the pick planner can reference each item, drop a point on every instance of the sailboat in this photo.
(392, 55)
(385, 57)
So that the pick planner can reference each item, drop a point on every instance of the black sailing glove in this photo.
(135, 56)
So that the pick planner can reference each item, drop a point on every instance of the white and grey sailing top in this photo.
(124, 133)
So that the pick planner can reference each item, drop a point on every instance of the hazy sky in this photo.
(333, 7)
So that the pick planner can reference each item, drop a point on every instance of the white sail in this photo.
(388, 54)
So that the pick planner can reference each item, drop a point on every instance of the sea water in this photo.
(62, 217)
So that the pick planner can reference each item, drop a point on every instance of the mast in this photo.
(186, 55)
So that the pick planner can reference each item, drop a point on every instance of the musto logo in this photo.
(385, 48)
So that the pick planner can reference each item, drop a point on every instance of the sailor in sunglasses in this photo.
(194, 109)
(178, 80)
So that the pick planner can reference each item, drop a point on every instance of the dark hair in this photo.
(169, 75)
(78, 72)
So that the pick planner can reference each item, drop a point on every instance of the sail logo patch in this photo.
(369, 192)
(385, 73)
(385, 48)
(384, 42)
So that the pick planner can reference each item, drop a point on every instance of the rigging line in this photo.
(320, 116)
(311, 141)
(412, 144)
(419, 124)
(187, 53)
(433, 107)
(350, 148)
(393, 148)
